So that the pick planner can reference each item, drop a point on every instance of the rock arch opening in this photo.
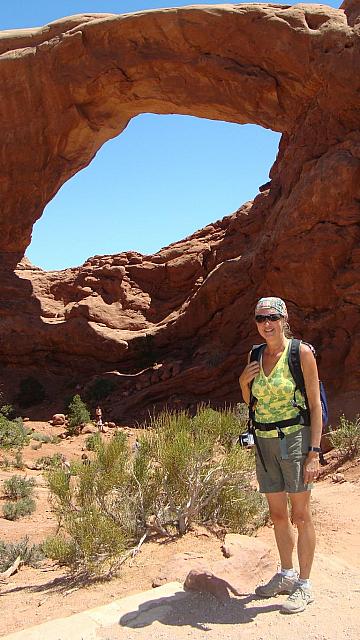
(163, 179)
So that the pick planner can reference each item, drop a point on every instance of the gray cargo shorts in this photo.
(283, 474)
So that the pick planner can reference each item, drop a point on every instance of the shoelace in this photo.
(298, 592)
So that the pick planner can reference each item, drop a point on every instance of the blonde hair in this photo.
(286, 328)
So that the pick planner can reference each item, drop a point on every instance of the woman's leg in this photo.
(284, 532)
(301, 517)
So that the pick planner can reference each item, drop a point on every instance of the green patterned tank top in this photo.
(274, 393)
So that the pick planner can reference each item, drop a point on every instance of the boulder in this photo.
(58, 420)
(250, 562)
(89, 427)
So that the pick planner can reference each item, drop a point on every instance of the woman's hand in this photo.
(311, 467)
(250, 372)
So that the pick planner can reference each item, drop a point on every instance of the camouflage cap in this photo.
(272, 303)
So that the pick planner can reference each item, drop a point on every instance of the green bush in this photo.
(8, 411)
(31, 392)
(18, 460)
(48, 462)
(75, 467)
(184, 470)
(43, 437)
(18, 487)
(12, 433)
(5, 463)
(346, 439)
(100, 389)
(61, 550)
(93, 538)
(93, 441)
(77, 414)
(18, 509)
(29, 554)
(36, 446)
(195, 462)
(238, 507)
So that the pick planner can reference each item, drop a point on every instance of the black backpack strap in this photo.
(294, 362)
(256, 351)
(255, 356)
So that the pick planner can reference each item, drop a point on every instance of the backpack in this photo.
(296, 372)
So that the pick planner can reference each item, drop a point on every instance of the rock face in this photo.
(175, 326)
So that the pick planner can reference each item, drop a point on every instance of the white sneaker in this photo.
(297, 600)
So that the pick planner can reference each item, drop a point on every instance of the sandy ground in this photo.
(35, 595)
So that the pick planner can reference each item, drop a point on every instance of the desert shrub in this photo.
(48, 462)
(40, 437)
(77, 414)
(97, 536)
(346, 439)
(183, 471)
(18, 509)
(5, 462)
(31, 392)
(18, 487)
(238, 506)
(58, 549)
(45, 438)
(29, 554)
(86, 512)
(36, 446)
(61, 494)
(99, 390)
(195, 463)
(225, 426)
(18, 460)
(75, 467)
(8, 411)
(93, 441)
(12, 433)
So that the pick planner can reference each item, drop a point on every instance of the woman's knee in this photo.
(278, 507)
(279, 516)
(301, 517)
(300, 509)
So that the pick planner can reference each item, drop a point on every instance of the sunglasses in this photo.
(271, 317)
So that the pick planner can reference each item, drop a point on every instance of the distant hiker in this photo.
(287, 446)
(99, 421)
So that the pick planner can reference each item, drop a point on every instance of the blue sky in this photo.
(162, 179)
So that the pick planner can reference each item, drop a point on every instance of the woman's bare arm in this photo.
(249, 373)
(311, 379)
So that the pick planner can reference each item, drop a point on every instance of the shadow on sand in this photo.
(196, 610)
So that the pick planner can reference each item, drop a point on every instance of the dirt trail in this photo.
(35, 595)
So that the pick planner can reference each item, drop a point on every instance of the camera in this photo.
(246, 439)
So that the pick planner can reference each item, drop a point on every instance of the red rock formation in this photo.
(70, 86)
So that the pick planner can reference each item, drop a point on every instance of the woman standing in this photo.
(290, 450)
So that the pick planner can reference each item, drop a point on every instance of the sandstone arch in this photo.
(70, 86)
